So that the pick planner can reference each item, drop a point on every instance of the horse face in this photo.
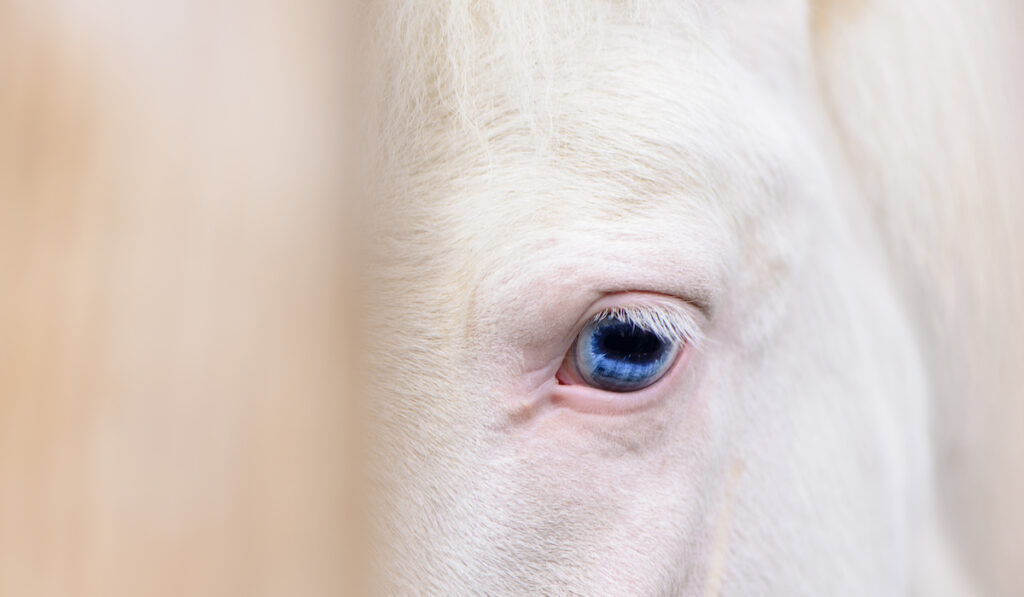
(631, 164)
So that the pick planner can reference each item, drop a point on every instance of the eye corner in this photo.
(566, 376)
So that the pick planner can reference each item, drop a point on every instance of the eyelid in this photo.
(671, 318)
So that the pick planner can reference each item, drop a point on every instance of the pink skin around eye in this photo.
(571, 392)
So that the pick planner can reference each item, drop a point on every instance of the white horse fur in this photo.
(832, 189)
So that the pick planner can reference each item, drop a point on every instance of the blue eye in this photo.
(617, 355)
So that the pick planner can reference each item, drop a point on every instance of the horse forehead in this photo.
(633, 162)
(620, 109)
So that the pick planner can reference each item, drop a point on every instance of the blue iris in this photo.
(618, 355)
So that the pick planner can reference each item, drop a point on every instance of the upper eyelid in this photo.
(670, 321)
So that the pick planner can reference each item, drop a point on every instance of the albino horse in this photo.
(699, 297)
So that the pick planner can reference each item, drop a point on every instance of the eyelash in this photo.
(667, 320)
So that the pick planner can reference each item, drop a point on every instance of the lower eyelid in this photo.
(592, 400)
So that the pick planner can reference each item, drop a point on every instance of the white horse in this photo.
(699, 297)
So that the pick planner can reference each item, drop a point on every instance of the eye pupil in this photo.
(624, 341)
(617, 355)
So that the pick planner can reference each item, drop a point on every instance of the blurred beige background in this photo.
(176, 394)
